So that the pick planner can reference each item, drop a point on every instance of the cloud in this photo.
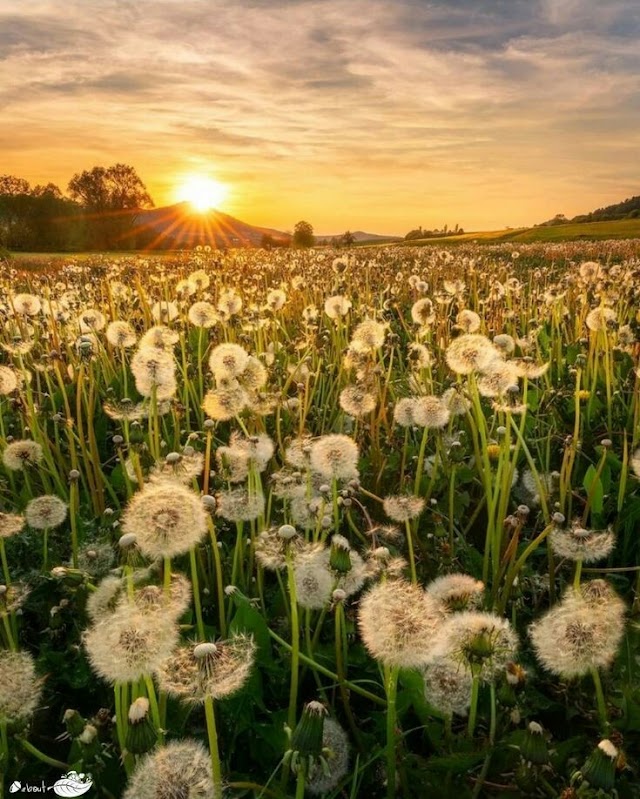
(347, 112)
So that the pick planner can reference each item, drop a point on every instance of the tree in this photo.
(303, 235)
(111, 197)
(347, 239)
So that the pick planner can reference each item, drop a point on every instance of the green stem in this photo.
(50, 761)
(196, 592)
(473, 709)
(212, 735)
(600, 701)
(391, 687)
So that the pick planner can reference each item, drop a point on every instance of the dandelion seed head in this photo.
(422, 312)
(8, 381)
(402, 508)
(129, 644)
(26, 304)
(337, 306)
(46, 512)
(222, 404)
(577, 543)
(178, 770)
(600, 319)
(397, 622)
(470, 352)
(20, 689)
(154, 372)
(217, 670)
(357, 401)
(368, 336)
(11, 524)
(335, 456)
(167, 519)
(335, 751)
(121, 335)
(469, 321)
(22, 453)
(447, 686)
(481, 643)
(238, 505)
(456, 591)
(431, 412)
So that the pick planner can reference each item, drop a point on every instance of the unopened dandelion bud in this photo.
(306, 739)
(523, 510)
(600, 768)
(74, 475)
(71, 577)
(339, 558)
(324, 488)
(326, 522)
(173, 457)
(142, 735)
(339, 595)
(607, 443)
(118, 440)
(74, 722)
(558, 518)
(534, 747)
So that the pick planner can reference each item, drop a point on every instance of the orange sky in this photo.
(363, 114)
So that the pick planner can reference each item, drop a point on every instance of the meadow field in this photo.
(358, 523)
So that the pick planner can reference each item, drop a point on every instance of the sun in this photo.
(202, 193)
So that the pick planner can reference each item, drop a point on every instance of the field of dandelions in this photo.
(289, 523)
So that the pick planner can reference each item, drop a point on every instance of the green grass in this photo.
(588, 231)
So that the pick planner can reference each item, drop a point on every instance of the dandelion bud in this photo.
(127, 540)
(558, 518)
(201, 651)
(208, 424)
(600, 768)
(326, 522)
(339, 595)
(606, 443)
(501, 431)
(306, 740)
(3, 590)
(534, 747)
(141, 732)
(324, 488)
(74, 475)
(173, 457)
(74, 722)
(339, 558)
(118, 440)
(72, 577)
(523, 510)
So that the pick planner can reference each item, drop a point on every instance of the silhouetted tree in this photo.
(303, 235)
(347, 239)
(111, 197)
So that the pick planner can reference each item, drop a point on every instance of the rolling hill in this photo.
(178, 227)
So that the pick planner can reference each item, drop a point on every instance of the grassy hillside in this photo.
(619, 229)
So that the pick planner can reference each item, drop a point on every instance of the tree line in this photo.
(98, 212)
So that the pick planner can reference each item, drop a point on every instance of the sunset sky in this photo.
(378, 116)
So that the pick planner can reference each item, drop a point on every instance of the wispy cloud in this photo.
(358, 113)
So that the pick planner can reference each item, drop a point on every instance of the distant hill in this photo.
(178, 226)
(358, 236)
(627, 209)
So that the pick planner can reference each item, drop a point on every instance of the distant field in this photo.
(622, 229)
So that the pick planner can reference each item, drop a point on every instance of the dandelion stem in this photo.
(600, 700)
(391, 688)
(473, 709)
(212, 735)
